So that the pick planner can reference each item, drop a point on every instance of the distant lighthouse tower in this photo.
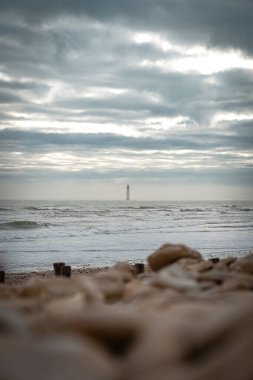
(128, 193)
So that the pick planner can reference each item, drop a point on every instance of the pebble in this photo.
(186, 318)
(244, 264)
(51, 359)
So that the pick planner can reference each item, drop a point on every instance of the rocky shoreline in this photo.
(19, 278)
(183, 318)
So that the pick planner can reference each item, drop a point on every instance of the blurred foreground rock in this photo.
(186, 318)
(169, 253)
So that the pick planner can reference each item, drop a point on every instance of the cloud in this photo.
(6, 97)
(218, 23)
(108, 141)
(92, 88)
(91, 156)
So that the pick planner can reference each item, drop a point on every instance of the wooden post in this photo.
(66, 271)
(214, 260)
(139, 268)
(58, 268)
(2, 276)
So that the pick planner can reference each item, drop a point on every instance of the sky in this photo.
(96, 94)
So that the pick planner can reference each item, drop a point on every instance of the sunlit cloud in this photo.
(109, 90)
(156, 40)
(209, 63)
(231, 116)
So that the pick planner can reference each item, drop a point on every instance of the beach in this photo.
(16, 279)
(179, 316)
(126, 190)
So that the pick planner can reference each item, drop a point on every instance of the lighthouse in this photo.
(128, 193)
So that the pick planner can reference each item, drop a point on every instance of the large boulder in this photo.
(169, 253)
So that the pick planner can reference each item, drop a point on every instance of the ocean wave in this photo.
(142, 208)
(22, 224)
(192, 210)
(232, 226)
(147, 208)
(47, 208)
(238, 208)
(2, 209)
(32, 208)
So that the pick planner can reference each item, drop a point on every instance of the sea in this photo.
(35, 234)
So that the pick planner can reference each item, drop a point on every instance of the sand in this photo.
(14, 279)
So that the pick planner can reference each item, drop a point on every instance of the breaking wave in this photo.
(192, 210)
(32, 208)
(22, 224)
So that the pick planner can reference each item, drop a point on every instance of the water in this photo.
(34, 234)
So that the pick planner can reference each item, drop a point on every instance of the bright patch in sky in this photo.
(194, 58)
(231, 116)
(211, 62)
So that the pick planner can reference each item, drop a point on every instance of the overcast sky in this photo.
(100, 93)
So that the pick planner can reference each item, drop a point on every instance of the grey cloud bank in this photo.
(219, 23)
(158, 93)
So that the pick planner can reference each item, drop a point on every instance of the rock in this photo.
(163, 346)
(11, 322)
(138, 293)
(151, 299)
(244, 264)
(115, 330)
(112, 328)
(202, 266)
(65, 307)
(131, 288)
(228, 261)
(228, 281)
(237, 284)
(175, 277)
(169, 253)
(47, 288)
(111, 284)
(196, 341)
(124, 266)
(54, 358)
(27, 305)
(225, 264)
(218, 277)
(90, 290)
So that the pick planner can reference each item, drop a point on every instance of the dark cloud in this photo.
(219, 23)
(7, 97)
(242, 128)
(234, 90)
(175, 140)
(24, 86)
